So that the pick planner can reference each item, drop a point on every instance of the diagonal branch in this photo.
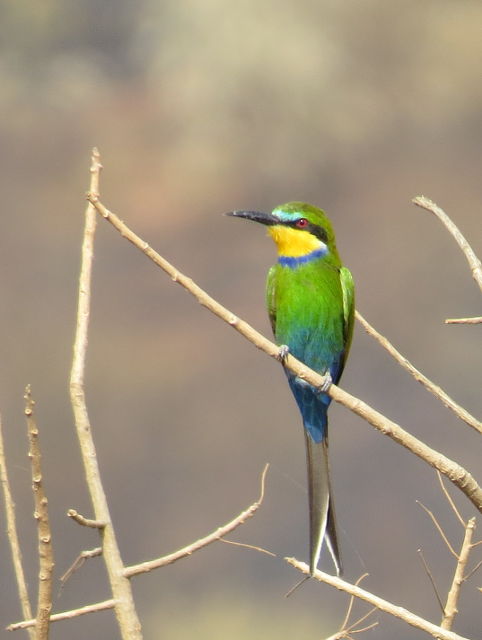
(456, 473)
(439, 393)
(78, 563)
(474, 263)
(449, 499)
(431, 578)
(144, 567)
(381, 604)
(439, 528)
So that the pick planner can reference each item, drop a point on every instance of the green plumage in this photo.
(310, 300)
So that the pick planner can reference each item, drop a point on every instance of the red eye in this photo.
(302, 223)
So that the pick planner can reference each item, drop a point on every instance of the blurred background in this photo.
(199, 108)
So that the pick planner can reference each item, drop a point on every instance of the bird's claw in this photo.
(327, 383)
(283, 352)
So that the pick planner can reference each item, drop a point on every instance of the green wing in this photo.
(271, 297)
(348, 289)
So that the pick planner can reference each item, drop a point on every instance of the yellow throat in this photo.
(294, 243)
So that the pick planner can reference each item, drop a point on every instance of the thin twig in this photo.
(472, 571)
(474, 263)
(66, 615)
(439, 393)
(352, 602)
(78, 563)
(450, 500)
(248, 546)
(439, 528)
(345, 631)
(383, 605)
(363, 629)
(41, 514)
(456, 473)
(476, 320)
(431, 578)
(296, 586)
(144, 567)
(451, 610)
(12, 535)
(85, 522)
(127, 618)
(345, 628)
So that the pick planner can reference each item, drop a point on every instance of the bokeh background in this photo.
(199, 108)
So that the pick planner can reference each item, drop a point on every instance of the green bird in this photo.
(310, 300)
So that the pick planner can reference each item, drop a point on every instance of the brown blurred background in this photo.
(199, 108)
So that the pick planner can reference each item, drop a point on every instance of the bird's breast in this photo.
(309, 314)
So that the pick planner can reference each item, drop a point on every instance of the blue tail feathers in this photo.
(313, 406)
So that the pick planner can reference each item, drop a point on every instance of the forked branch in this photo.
(129, 624)
(145, 567)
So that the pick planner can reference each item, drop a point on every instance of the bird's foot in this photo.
(283, 353)
(327, 383)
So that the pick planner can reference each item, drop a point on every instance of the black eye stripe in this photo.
(314, 229)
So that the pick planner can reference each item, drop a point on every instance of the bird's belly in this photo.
(309, 315)
(318, 344)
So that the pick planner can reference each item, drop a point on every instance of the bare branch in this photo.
(439, 528)
(153, 564)
(457, 474)
(453, 596)
(474, 263)
(352, 601)
(78, 563)
(129, 623)
(144, 567)
(474, 570)
(85, 522)
(66, 615)
(431, 578)
(450, 609)
(345, 631)
(450, 501)
(439, 393)
(12, 535)
(41, 514)
(476, 320)
(248, 546)
(383, 605)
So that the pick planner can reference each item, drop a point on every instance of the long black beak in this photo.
(255, 216)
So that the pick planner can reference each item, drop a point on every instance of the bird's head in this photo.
(297, 228)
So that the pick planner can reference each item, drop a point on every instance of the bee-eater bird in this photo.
(310, 300)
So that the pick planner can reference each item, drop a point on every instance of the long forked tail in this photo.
(322, 513)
